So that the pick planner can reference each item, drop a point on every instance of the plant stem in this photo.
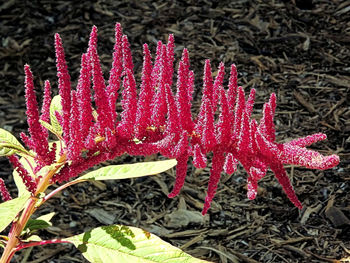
(59, 189)
(27, 212)
(16, 230)
(41, 243)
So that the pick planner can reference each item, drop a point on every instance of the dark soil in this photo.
(298, 49)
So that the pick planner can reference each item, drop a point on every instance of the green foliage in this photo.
(10, 209)
(113, 172)
(9, 145)
(41, 222)
(55, 106)
(124, 244)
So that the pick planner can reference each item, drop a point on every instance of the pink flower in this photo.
(39, 137)
(45, 109)
(154, 120)
(218, 162)
(28, 180)
(116, 71)
(64, 86)
(104, 117)
(184, 92)
(5, 195)
(144, 107)
(83, 97)
(129, 105)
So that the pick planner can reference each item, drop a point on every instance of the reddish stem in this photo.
(40, 243)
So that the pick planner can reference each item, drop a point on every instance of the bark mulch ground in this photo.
(298, 49)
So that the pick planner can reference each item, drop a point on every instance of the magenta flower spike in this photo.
(223, 126)
(39, 137)
(127, 58)
(199, 158)
(282, 177)
(83, 97)
(230, 165)
(308, 140)
(129, 105)
(170, 59)
(250, 102)
(45, 109)
(244, 136)
(218, 162)
(27, 179)
(308, 158)
(76, 141)
(104, 116)
(5, 195)
(182, 146)
(238, 113)
(156, 71)
(208, 88)
(116, 71)
(181, 172)
(172, 124)
(267, 126)
(143, 113)
(184, 93)
(160, 108)
(208, 140)
(218, 83)
(206, 110)
(64, 86)
(232, 87)
(156, 121)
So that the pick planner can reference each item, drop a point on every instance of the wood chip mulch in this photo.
(298, 49)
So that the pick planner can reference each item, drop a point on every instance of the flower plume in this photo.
(155, 120)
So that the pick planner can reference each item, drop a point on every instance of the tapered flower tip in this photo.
(4, 192)
(272, 102)
(57, 40)
(321, 162)
(308, 140)
(252, 189)
(233, 77)
(207, 80)
(28, 77)
(59, 49)
(93, 38)
(118, 30)
(207, 203)
(185, 58)
(181, 171)
(308, 158)
(26, 69)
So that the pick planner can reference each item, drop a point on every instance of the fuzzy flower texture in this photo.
(155, 120)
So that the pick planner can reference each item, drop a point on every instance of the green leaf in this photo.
(41, 222)
(55, 106)
(10, 209)
(33, 238)
(36, 224)
(123, 244)
(113, 172)
(10, 145)
(47, 217)
(49, 127)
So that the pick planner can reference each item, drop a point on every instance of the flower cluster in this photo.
(155, 120)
